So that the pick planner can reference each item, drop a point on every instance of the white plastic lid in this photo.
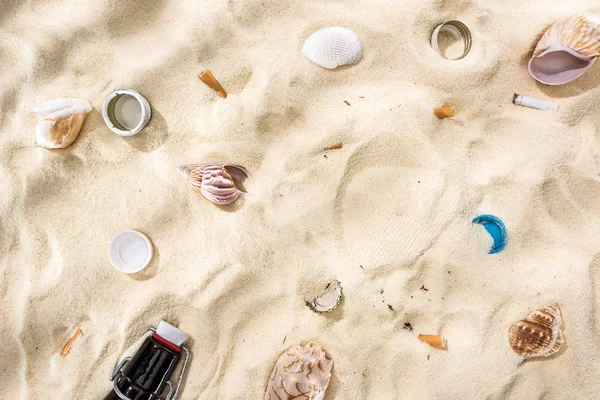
(171, 333)
(130, 251)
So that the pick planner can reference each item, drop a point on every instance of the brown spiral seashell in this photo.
(538, 335)
(217, 183)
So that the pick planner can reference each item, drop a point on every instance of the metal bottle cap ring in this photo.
(458, 30)
(110, 116)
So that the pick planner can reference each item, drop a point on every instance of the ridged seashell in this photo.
(217, 183)
(329, 300)
(302, 372)
(61, 123)
(333, 47)
(566, 50)
(538, 335)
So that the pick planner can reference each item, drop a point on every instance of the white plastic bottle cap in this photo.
(130, 251)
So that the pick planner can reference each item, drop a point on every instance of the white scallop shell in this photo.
(61, 123)
(302, 372)
(566, 50)
(333, 47)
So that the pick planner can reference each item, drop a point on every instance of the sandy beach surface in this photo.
(388, 215)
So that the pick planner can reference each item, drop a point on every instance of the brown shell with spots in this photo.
(538, 335)
(217, 183)
(302, 372)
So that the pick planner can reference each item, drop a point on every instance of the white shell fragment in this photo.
(566, 50)
(333, 47)
(330, 299)
(217, 183)
(532, 102)
(61, 122)
(302, 372)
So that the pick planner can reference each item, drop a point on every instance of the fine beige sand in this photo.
(387, 214)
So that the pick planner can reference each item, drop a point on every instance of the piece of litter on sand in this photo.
(208, 78)
(345, 101)
(532, 102)
(444, 112)
(69, 345)
(333, 146)
(436, 341)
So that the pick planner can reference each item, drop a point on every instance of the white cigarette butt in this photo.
(532, 102)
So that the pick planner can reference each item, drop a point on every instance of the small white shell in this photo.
(217, 183)
(329, 300)
(302, 372)
(61, 123)
(333, 47)
(566, 50)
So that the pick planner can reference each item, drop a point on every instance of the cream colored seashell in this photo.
(566, 50)
(217, 183)
(329, 300)
(302, 372)
(333, 47)
(538, 335)
(61, 123)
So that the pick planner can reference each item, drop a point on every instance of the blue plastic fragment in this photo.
(496, 229)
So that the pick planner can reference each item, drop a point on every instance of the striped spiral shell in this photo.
(302, 372)
(580, 33)
(217, 183)
(538, 335)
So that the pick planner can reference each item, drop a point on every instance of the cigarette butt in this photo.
(444, 112)
(532, 102)
(334, 146)
(65, 350)
(207, 77)
(436, 341)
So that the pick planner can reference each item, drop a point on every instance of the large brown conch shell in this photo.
(538, 335)
(217, 183)
(302, 372)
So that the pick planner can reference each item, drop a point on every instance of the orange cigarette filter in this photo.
(333, 147)
(436, 341)
(444, 112)
(65, 350)
(207, 77)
